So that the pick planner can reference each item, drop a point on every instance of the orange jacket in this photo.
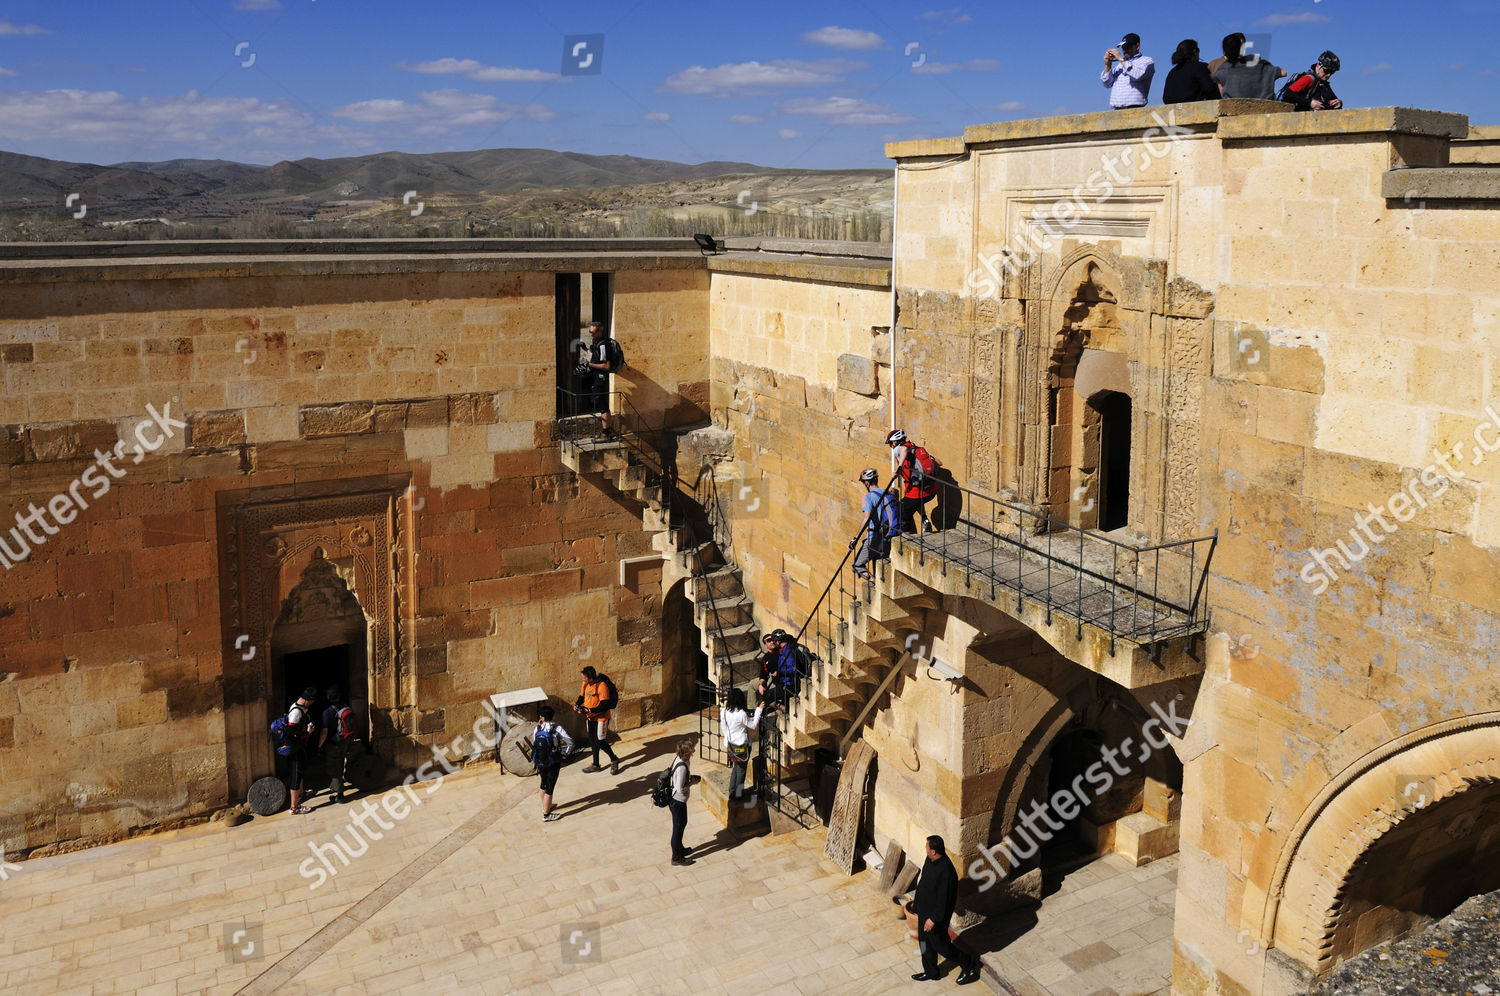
(595, 692)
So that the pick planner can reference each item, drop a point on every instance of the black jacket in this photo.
(1187, 82)
(937, 892)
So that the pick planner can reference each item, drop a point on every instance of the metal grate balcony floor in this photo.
(1088, 584)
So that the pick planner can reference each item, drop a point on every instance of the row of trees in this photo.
(263, 223)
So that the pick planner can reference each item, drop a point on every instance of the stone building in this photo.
(1213, 394)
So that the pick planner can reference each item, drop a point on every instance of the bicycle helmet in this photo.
(1329, 61)
(779, 635)
(895, 437)
(869, 476)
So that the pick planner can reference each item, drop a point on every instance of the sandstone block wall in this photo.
(1330, 333)
(400, 421)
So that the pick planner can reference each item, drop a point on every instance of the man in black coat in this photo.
(937, 895)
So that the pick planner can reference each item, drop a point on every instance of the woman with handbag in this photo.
(737, 724)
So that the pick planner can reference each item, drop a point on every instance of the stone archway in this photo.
(1434, 794)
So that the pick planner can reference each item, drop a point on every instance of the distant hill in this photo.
(488, 191)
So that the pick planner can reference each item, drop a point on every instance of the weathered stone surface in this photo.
(216, 429)
(857, 374)
(322, 421)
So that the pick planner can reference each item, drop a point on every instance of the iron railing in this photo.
(1142, 594)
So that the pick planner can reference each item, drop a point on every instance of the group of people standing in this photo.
(1240, 73)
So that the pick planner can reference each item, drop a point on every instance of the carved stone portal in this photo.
(291, 564)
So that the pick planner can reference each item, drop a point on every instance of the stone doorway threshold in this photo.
(1103, 929)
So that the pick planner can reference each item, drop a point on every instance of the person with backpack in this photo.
(782, 666)
(605, 357)
(1310, 91)
(736, 724)
(291, 734)
(339, 741)
(550, 746)
(880, 524)
(914, 468)
(680, 777)
(594, 703)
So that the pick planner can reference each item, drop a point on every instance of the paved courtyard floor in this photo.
(1105, 929)
(468, 893)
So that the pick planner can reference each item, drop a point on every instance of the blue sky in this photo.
(800, 85)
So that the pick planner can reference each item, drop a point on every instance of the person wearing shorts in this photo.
(562, 746)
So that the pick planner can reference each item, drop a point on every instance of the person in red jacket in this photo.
(916, 487)
(1310, 91)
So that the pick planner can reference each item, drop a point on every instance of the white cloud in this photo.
(479, 72)
(788, 133)
(940, 68)
(949, 17)
(847, 111)
(1379, 67)
(849, 39)
(106, 117)
(747, 77)
(1281, 20)
(656, 116)
(441, 111)
(746, 118)
(1010, 105)
(257, 4)
(7, 28)
(1456, 66)
(8, 72)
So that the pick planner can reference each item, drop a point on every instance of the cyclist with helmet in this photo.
(880, 521)
(1310, 91)
(914, 467)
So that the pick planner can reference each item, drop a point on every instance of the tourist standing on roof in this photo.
(1246, 75)
(1310, 91)
(1189, 80)
(1127, 73)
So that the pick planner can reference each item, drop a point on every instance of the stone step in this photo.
(732, 611)
(724, 582)
(745, 670)
(730, 640)
(796, 810)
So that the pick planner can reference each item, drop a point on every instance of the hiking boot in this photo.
(614, 767)
(592, 768)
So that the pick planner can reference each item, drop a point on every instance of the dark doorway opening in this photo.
(1114, 458)
(321, 668)
(579, 298)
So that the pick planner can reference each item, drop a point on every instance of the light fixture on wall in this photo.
(706, 244)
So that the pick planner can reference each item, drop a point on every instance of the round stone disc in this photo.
(267, 796)
(515, 749)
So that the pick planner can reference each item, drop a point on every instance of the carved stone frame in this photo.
(267, 537)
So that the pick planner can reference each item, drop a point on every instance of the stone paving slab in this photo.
(468, 892)
(1107, 929)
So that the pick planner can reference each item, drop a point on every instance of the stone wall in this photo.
(1322, 318)
(394, 419)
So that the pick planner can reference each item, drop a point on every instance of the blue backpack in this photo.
(543, 750)
(284, 737)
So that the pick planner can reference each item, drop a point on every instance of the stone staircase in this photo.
(722, 610)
